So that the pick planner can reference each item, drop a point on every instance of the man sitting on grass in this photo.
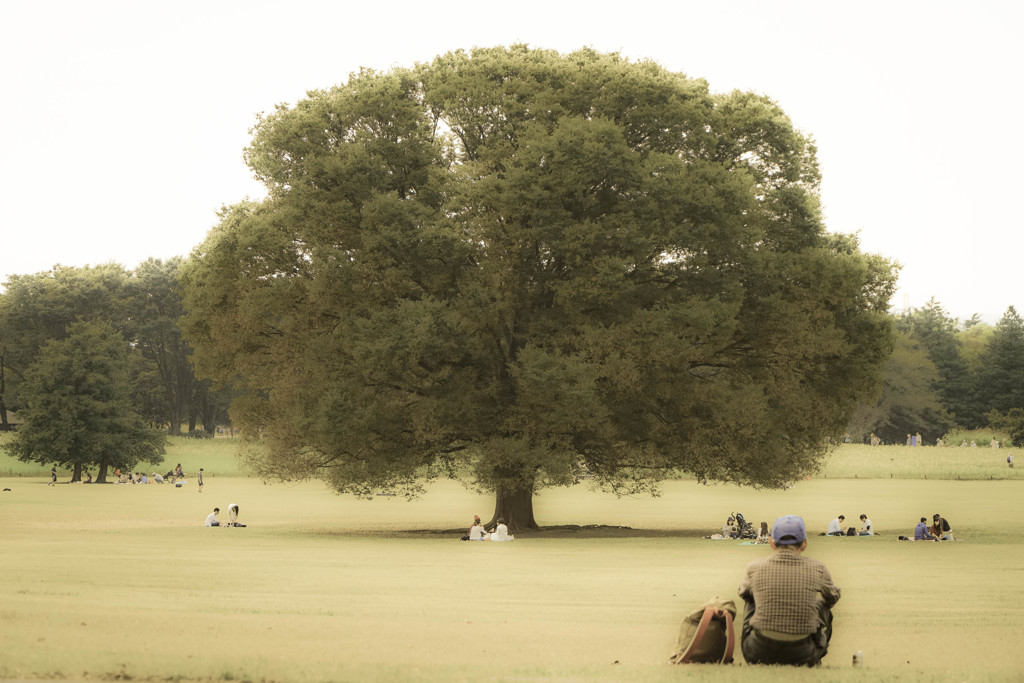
(789, 598)
(922, 533)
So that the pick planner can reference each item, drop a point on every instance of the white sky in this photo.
(122, 123)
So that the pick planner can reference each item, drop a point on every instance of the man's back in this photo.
(784, 586)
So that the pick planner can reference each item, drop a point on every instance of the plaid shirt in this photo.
(785, 588)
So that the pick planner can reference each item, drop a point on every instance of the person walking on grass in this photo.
(789, 599)
(53, 476)
(200, 480)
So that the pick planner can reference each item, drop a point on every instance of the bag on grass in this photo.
(706, 635)
(852, 531)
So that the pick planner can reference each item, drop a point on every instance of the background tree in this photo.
(76, 406)
(143, 304)
(520, 264)
(1000, 374)
(37, 308)
(154, 306)
(908, 403)
(956, 384)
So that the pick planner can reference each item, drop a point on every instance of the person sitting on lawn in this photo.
(940, 528)
(477, 532)
(501, 533)
(763, 534)
(211, 519)
(866, 527)
(922, 532)
(835, 527)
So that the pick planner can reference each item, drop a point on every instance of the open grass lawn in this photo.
(123, 582)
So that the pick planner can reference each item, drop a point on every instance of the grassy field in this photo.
(124, 582)
(215, 456)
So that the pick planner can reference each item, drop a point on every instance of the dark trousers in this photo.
(759, 649)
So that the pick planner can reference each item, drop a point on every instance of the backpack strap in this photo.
(702, 628)
(730, 638)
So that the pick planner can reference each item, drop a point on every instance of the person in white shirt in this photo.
(477, 533)
(157, 478)
(500, 532)
(835, 527)
(866, 527)
(211, 519)
(233, 515)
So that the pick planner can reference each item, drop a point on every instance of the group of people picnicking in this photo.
(835, 527)
(938, 530)
(213, 520)
(499, 532)
(175, 476)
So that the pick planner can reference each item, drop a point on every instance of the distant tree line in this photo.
(107, 339)
(948, 373)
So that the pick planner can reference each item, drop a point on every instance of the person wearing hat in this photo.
(789, 598)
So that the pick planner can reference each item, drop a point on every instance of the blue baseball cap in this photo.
(789, 530)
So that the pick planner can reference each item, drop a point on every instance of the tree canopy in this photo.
(77, 406)
(143, 305)
(517, 266)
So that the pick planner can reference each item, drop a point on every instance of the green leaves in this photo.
(522, 265)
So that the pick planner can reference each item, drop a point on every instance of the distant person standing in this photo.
(1009, 460)
(200, 480)
(53, 475)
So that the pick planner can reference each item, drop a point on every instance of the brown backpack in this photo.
(706, 635)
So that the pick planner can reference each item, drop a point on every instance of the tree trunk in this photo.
(516, 508)
(76, 473)
(101, 476)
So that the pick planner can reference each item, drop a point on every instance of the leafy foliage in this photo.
(908, 404)
(77, 405)
(526, 265)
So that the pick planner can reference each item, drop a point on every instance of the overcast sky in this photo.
(123, 123)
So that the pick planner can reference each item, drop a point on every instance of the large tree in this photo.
(514, 266)
(77, 408)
